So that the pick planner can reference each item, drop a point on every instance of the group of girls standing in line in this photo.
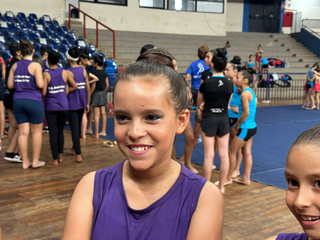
(312, 88)
(67, 95)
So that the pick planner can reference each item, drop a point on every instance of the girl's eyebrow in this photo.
(287, 174)
(145, 111)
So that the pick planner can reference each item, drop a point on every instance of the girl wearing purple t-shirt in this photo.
(149, 195)
(303, 191)
(78, 100)
(56, 83)
(26, 77)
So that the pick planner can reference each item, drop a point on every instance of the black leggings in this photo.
(75, 118)
(56, 122)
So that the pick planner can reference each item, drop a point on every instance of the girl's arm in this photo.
(78, 225)
(207, 220)
(38, 74)
(92, 88)
(10, 81)
(93, 78)
(46, 81)
(245, 99)
(272, 238)
(72, 85)
(107, 84)
(88, 90)
(3, 72)
(200, 99)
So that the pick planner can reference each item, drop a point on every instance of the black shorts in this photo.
(8, 101)
(215, 126)
(245, 134)
(233, 121)
(265, 66)
(310, 85)
(2, 91)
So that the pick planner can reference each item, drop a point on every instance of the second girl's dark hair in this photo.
(177, 90)
(236, 63)
(159, 55)
(98, 60)
(315, 65)
(248, 74)
(14, 47)
(26, 47)
(53, 57)
(250, 56)
(219, 60)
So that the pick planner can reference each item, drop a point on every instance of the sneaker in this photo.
(199, 139)
(13, 157)
(45, 129)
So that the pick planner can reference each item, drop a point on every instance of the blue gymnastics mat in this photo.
(278, 127)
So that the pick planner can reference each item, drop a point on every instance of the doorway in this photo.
(264, 16)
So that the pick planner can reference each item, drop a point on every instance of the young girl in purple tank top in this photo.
(303, 193)
(56, 82)
(26, 78)
(149, 195)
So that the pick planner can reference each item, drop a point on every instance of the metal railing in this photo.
(311, 24)
(97, 30)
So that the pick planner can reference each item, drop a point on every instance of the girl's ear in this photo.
(183, 120)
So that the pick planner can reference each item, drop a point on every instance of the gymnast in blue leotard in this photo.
(250, 63)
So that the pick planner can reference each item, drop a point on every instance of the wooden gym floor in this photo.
(34, 202)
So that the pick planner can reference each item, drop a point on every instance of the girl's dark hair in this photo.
(236, 63)
(146, 47)
(74, 52)
(219, 60)
(248, 74)
(44, 50)
(177, 90)
(309, 137)
(53, 57)
(250, 56)
(14, 47)
(98, 60)
(85, 54)
(37, 59)
(315, 65)
(26, 47)
(159, 55)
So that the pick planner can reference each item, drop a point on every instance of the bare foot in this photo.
(235, 174)
(102, 134)
(26, 165)
(54, 162)
(83, 136)
(73, 151)
(78, 159)
(95, 136)
(38, 164)
(89, 132)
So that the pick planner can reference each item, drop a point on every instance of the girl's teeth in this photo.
(139, 149)
(310, 218)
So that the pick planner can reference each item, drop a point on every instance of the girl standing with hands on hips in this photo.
(78, 100)
(149, 195)
(245, 127)
(303, 191)
(26, 78)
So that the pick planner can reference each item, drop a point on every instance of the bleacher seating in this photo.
(41, 31)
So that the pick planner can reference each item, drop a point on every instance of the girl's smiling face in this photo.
(145, 121)
(303, 192)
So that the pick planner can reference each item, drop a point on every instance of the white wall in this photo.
(54, 8)
(310, 8)
(234, 15)
(134, 18)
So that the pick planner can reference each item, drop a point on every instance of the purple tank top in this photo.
(44, 64)
(167, 218)
(56, 98)
(78, 98)
(25, 83)
(292, 236)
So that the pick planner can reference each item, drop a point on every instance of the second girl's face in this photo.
(229, 72)
(303, 192)
(208, 59)
(145, 121)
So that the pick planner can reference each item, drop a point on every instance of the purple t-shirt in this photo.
(78, 98)
(45, 65)
(292, 236)
(56, 97)
(167, 218)
(25, 83)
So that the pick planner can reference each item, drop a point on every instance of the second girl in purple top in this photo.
(56, 81)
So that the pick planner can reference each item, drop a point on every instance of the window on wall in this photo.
(114, 2)
(152, 3)
(208, 6)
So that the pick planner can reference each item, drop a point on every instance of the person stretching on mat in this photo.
(78, 100)
(26, 78)
(99, 97)
(215, 93)
(56, 81)
(303, 190)
(245, 127)
(231, 72)
(160, 197)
